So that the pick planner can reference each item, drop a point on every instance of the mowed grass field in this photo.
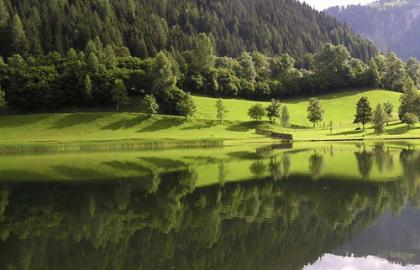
(89, 127)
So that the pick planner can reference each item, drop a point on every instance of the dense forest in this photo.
(149, 26)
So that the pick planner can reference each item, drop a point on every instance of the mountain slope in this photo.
(147, 26)
(392, 25)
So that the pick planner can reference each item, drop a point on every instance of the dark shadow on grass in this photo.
(244, 155)
(6, 175)
(244, 126)
(161, 124)
(400, 130)
(164, 163)
(127, 166)
(300, 127)
(351, 132)
(20, 120)
(126, 123)
(78, 173)
(77, 119)
(201, 125)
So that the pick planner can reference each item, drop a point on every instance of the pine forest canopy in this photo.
(148, 26)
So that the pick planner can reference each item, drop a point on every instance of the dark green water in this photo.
(291, 208)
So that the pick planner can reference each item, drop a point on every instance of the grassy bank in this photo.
(107, 128)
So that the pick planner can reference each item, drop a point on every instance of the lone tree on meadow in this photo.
(285, 117)
(379, 119)
(363, 112)
(273, 110)
(221, 110)
(256, 112)
(150, 104)
(315, 111)
(410, 119)
(388, 109)
(119, 93)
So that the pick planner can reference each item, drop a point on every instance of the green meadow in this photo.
(237, 128)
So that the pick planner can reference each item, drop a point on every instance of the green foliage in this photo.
(3, 102)
(412, 67)
(315, 111)
(147, 27)
(410, 119)
(389, 110)
(273, 110)
(202, 55)
(221, 110)
(379, 119)
(256, 112)
(409, 103)
(164, 77)
(285, 116)
(119, 93)
(363, 112)
(150, 104)
(185, 106)
(394, 75)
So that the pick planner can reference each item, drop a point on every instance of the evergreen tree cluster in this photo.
(147, 27)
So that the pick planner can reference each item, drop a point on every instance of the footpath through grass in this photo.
(101, 127)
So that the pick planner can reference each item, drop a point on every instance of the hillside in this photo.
(103, 127)
(146, 27)
(392, 25)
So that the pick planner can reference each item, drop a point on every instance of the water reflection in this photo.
(212, 209)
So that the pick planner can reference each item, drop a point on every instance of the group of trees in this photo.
(104, 75)
(408, 111)
(273, 111)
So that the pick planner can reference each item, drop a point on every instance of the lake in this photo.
(353, 205)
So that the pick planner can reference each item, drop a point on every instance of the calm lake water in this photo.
(303, 206)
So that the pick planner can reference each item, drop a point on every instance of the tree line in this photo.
(108, 75)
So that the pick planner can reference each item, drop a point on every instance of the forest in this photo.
(149, 26)
(110, 76)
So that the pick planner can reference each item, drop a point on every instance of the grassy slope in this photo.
(82, 127)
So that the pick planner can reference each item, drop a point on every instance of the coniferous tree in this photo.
(363, 112)
(18, 39)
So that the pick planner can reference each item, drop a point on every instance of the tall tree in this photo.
(394, 75)
(285, 117)
(119, 93)
(164, 77)
(412, 67)
(315, 111)
(247, 70)
(389, 110)
(19, 41)
(221, 110)
(273, 110)
(363, 112)
(379, 119)
(409, 102)
(3, 102)
(202, 56)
